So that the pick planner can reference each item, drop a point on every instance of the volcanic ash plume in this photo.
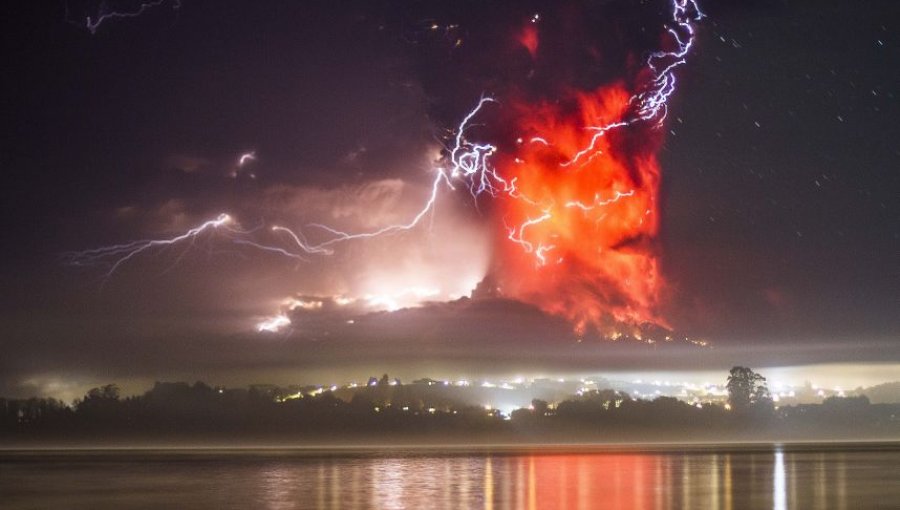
(561, 149)
(582, 215)
(589, 220)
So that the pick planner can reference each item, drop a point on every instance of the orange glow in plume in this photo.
(588, 214)
(528, 37)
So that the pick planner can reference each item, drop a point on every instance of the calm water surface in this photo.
(771, 477)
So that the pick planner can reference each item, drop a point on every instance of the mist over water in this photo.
(858, 477)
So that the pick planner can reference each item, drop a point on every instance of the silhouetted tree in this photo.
(100, 405)
(108, 392)
(745, 388)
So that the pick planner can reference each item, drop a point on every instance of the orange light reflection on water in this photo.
(658, 481)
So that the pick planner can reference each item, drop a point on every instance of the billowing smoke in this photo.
(582, 245)
(581, 91)
(559, 155)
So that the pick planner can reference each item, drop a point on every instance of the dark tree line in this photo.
(396, 412)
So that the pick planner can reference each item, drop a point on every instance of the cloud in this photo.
(188, 163)
(440, 259)
(370, 205)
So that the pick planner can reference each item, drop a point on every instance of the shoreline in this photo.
(452, 449)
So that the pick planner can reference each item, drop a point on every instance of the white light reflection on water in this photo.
(779, 489)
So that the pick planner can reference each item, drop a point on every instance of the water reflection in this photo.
(778, 479)
(572, 481)
(778, 489)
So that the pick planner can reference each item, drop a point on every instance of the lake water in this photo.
(809, 477)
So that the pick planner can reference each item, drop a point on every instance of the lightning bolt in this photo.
(648, 105)
(224, 224)
(467, 160)
(517, 235)
(651, 105)
(93, 23)
(599, 203)
(122, 253)
(468, 164)
(246, 157)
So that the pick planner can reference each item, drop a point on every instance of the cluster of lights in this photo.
(697, 395)
(386, 301)
(638, 336)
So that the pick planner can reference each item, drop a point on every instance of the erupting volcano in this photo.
(566, 154)
(583, 225)
(581, 180)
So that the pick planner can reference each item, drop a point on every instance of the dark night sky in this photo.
(780, 233)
